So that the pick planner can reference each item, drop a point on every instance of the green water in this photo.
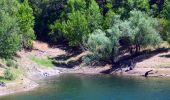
(97, 87)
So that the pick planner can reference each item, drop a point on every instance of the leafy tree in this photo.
(164, 28)
(77, 5)
(108, 19)
(83, 18)
(26, 24)
(144, 27)
(46, 12)
(75, 28)
(142, 5)
(165, 21)
(165, 13)
(9, 29)
(94, 16)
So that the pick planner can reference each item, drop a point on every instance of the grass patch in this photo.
(44, 62)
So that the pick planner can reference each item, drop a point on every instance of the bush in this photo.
(9, 75)
(100, 45)
(26, 24)
(11, 63)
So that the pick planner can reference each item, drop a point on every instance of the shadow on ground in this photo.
(129, 62)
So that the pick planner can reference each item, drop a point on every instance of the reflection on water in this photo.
(97, 87)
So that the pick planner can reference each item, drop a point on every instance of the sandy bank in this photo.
(18, 86)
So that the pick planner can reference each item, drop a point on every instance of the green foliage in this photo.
(77, 5)
(81, 21)
(9, 29)
(145, 29)
(11, 63)
(108, 19)
(94, 16)
(75, 28)
(165, 13)
(26, 24)
(142, 5)
(56, 33)
(100, 45)
(46, 12)
(9, 75)
(164, 28)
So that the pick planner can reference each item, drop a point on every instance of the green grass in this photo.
(44, 62)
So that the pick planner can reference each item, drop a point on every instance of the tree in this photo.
(75, 28)
(26, 24)
(144, 29)
(165, 13)
(165, 21)
(46, 12)
(94, 16)
(9, 29)
(108, 19)
(82, 19)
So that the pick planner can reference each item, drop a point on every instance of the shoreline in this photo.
(17, 87)
(27, 85)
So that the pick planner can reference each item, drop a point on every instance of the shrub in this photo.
(100, 45)
(11, 63)
(9, 75)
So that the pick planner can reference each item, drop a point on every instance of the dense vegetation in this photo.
(102, 27)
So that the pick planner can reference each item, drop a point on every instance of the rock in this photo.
(2, 84)
(46, 74)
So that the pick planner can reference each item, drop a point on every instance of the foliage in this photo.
(108, 19)
(99, 44)
(165, 13)
(26, 24)
(164, 28)
(144, 29)
(76, 5)
(94, 16)
(75, 28)
(11, 63)
(46, 12)
(9, 29)
(9, 75)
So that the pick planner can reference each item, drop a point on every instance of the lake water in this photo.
(97, 87)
